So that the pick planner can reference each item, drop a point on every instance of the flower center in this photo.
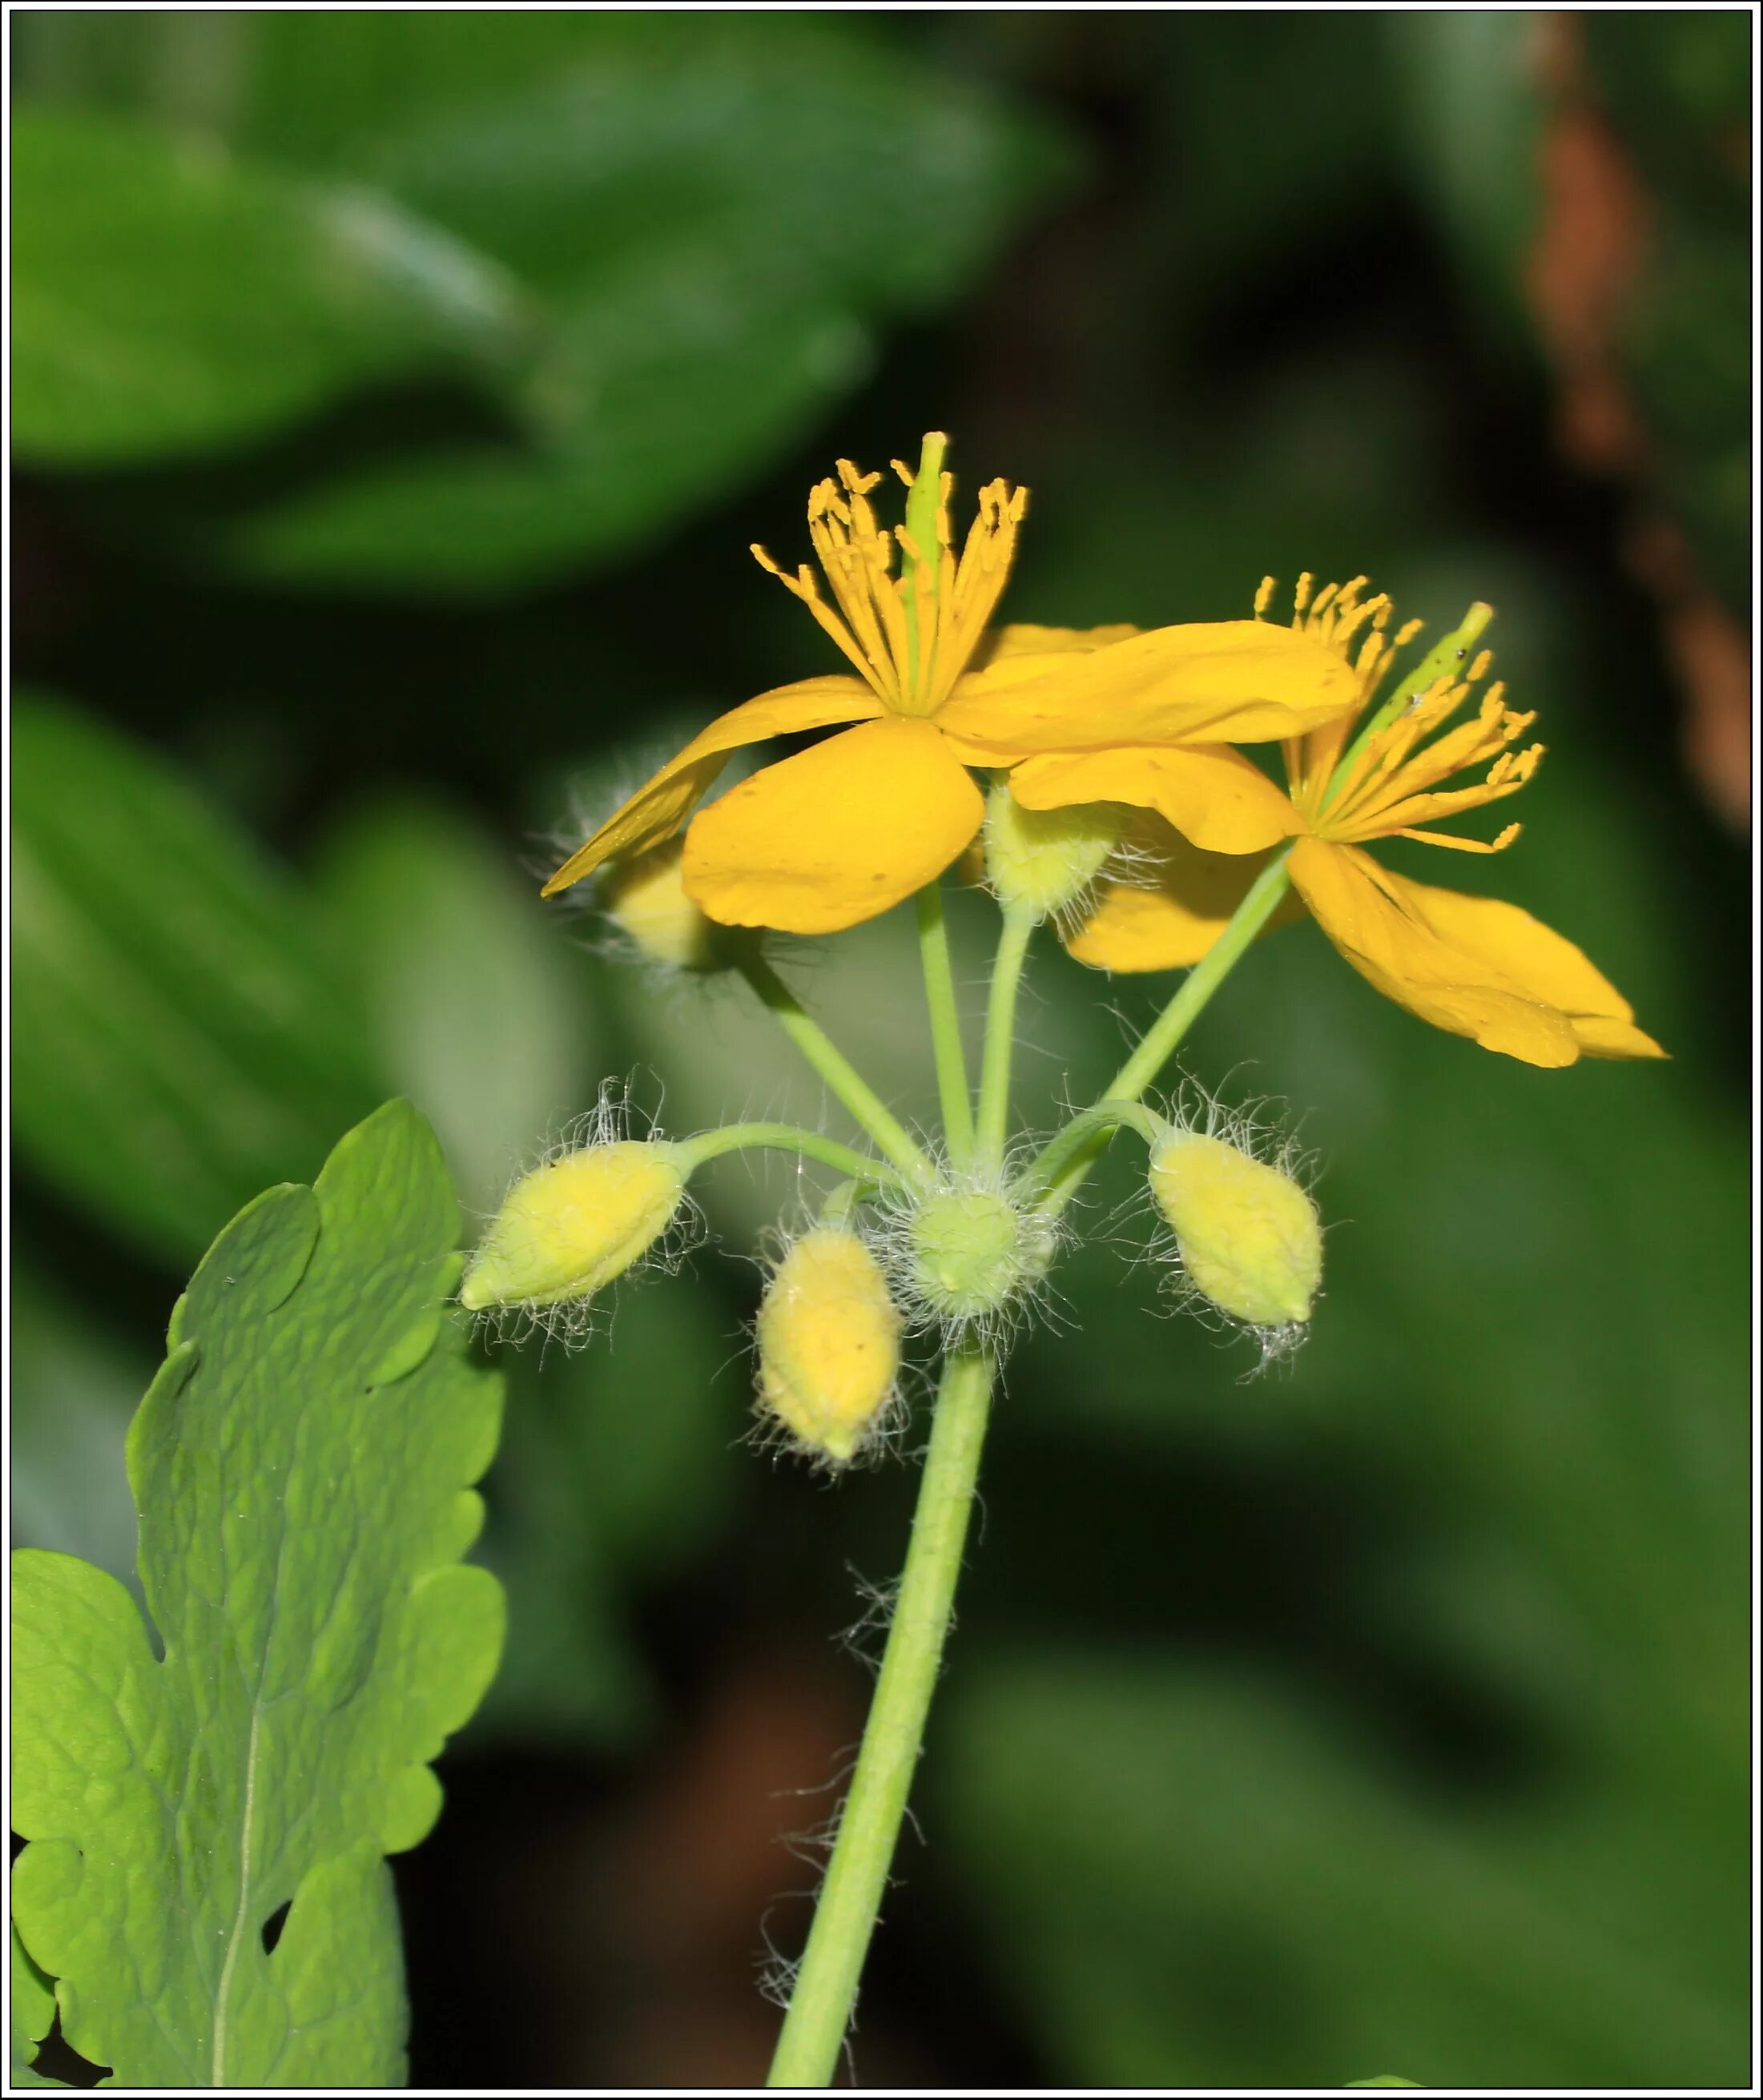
(908, 631)
(1392, 782)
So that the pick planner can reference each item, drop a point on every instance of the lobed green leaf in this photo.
(302, 1466)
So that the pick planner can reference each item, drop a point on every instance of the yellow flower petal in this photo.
(1022, 639)
(1215, 798)
(1542, 963)
(1474, 966)
(836, 835)
(1171, 922)
(1225, 682)
(661, 805)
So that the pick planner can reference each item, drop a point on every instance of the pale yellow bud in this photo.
(829, 1342)
(1046, 859)
(645, 900)
(566, 1229)
(1249, 1236)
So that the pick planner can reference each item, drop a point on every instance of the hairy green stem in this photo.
(1019, 925)
(945, 1023)
(843, 1080)
(784, 1137)
(1160, 1040)
(821, 2005)
(1098, 1123)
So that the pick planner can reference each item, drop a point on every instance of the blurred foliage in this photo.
(1676, 89)
(663, 251)
(1389, 1711)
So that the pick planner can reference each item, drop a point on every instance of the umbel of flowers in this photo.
(1159, 799)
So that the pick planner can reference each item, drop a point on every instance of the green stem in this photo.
(1158, 1042)
(1099, 1121)
(783, 1137)
(945, 1023)
(842, 1078)
(868, 1829)
(1019, 925)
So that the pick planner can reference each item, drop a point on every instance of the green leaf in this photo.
(1189, 1880)
(302, 1466)
(168, 296)
(715, 225)
(618, 1468)
(178, 1040)
(665, 391)
(1365, 2085)
(72, 1392)
(707, 220)
(1468, 117)
(33, 2013)
(474, 1001)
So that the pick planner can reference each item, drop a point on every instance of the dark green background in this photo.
(395, 399)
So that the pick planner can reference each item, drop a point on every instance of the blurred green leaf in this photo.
(178, 1042)
(72, 1392)
(1191, 1882)
(705, 223)
(619, 1466)
(662, 393)
(169, 296)
(1467, 114)
(474, 1002)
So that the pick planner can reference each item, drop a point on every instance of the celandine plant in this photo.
(1114, 804)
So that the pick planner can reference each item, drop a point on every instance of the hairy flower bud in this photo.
(568, 1227)
(1249, 1236)
(970, 1252)
(829, 1342)
(644, 897)
(1046, 859)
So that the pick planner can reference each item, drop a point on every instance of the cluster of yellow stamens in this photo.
(909, 634)
(1389, 783)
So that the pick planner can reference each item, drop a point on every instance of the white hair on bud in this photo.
(1255, 1128)
(572, 1323)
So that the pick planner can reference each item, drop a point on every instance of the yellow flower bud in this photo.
(829, 1342)
(644, 897)
(567, 1228)
(970, 1252)
(1249, 1236)
(1046, 859)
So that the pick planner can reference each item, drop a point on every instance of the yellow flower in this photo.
(851, 826)
(1474, 965)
